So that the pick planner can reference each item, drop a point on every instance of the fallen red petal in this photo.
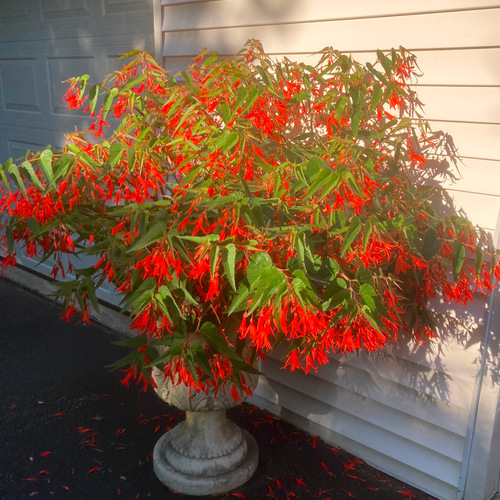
(93, 469)
(31, 479)
(301, 482)
(328, 471)
(408, 493)
(83, 430)
(351, 464)
(45, 453)
(352, 476)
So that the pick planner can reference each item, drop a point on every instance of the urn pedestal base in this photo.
(205, 455)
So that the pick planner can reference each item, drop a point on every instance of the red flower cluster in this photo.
(249, 203)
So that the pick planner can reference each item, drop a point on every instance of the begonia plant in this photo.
(246, 204)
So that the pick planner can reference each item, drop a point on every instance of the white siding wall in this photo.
(408, 410)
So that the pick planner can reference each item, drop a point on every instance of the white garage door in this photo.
(42, 43)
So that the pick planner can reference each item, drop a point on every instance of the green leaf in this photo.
(46, 164)
(367, 290)
(14, 173)
(431, 244)
(355, 122)
(386, 62)
(187, 78)
(125, 361)
(243, 366)
(240, 98)
(376, 95)
(339, 110)
(200, 358)
(229, 262)
(403, 123)
(211, 335)
(256, 265)
(93, 96)
(115, 154)
(133, 342)
(240, 300)
(270, 283)
(314, 166)
(254, 93)
(351, 233)
(479, 261)
(458, 257)
(141, 297)
(226, 112)
(152, 235)
(214, 258)
(377, 73)
(226, 140)
(108, 102)
(209, 60)
(26, 165)
(301, 96)
(332, 182)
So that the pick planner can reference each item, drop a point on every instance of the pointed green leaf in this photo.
(351, 233)
(26, 165)
(458, 257)
(355, 122)
(115, 154)
(133, 342)
(152, 235)
(339, 110)
(108, 102)
(229, 262)
(211, 335)
(93, 96)
(431, 244)
(16, 176)
(376, 95)
(46, 164)
(479, 261)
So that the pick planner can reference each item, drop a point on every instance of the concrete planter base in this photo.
(205, 455)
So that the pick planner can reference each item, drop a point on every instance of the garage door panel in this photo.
(64, 9)
(18, 149)
(19, 85)
(16, 11)
(120, 6)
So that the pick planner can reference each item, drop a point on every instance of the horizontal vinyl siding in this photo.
(405, 410)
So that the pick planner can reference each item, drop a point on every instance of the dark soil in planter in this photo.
(68, 428)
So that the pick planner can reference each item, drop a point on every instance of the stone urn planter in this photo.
(206, 454)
